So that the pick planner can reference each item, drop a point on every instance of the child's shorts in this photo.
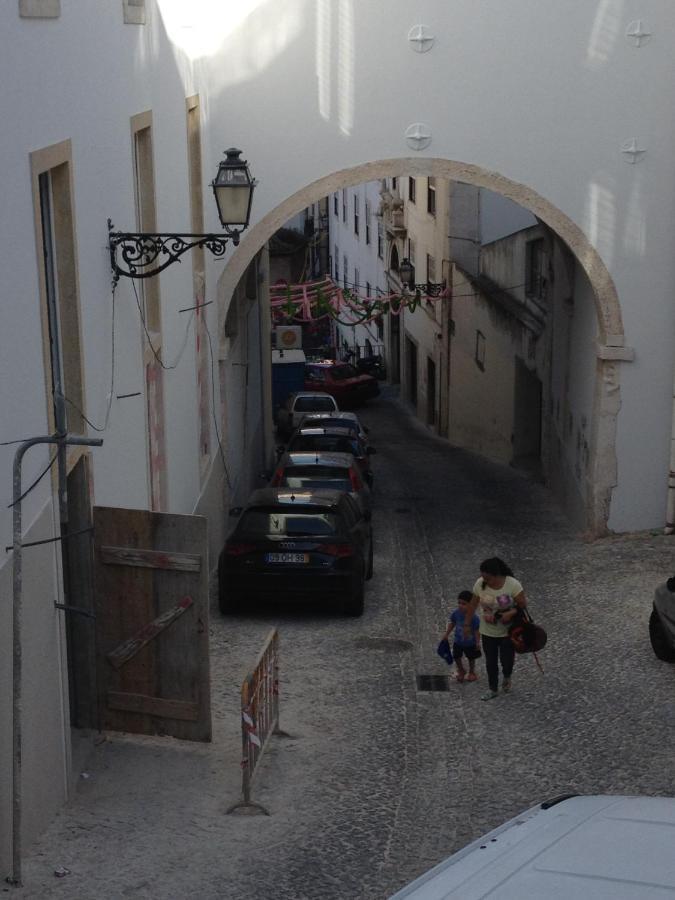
(458, 651)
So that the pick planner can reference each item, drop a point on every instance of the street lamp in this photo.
(406, 272)
(145, 254)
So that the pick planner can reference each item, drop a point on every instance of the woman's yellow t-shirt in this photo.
(493, 599)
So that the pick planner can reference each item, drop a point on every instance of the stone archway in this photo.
(602, 476)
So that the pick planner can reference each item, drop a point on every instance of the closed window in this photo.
(356, 214)
(411, 189)
(367, 222)
(431, 196)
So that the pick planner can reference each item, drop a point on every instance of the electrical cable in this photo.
(112, 377)
(174, 364)
(213, 404)
(36, 482)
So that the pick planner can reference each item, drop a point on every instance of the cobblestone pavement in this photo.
(377, 781)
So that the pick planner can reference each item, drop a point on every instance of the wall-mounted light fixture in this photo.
(406, 272)
(144, 255)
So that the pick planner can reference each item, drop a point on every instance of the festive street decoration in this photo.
(321, 299)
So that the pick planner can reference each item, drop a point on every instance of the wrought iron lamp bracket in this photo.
(428, 289)
(145, 254)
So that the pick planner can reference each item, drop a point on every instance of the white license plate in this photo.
(287, 557)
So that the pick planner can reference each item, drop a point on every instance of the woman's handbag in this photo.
(526, 637)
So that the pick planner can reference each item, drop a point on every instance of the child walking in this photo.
(466, 640)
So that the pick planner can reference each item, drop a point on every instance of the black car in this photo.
(662, 622)
(297, 544)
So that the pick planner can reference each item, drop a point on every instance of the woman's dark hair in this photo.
(495, 566)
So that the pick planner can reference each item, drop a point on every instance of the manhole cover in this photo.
(383, 643)
(433, 683)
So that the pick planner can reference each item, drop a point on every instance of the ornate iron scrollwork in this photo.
(145, 255)
(428, 288)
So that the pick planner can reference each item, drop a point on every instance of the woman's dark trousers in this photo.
(497, 650)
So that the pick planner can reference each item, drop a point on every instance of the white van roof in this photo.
(595, 848)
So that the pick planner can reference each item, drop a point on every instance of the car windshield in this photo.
(328, 443)
(306, 404)
(266, 523)
(340, 373)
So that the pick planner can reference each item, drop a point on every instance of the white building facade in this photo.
(357, 249)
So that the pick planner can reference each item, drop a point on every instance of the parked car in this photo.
(311, 544)
(604, 847)
(334, 440)
(343, 419)
(298, 404)
(317, 469)
(342, 380)
(662, 622)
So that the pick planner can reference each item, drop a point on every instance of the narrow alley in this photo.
(376, 780)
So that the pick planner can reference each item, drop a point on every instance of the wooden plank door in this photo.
(152, 623)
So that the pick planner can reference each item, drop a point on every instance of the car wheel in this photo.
(369, 570)
(354, 606)
(658, 637)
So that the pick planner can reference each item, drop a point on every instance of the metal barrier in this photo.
(259, 717)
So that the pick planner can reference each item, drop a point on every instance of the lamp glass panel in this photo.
(233, 201)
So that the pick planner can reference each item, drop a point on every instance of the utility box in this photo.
(288, 375)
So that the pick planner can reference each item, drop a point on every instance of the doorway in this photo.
(411, 370)
(526, 419)
(431, 391)
(395, 348)
(77, 555)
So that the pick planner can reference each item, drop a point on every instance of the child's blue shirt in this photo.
(457, 617)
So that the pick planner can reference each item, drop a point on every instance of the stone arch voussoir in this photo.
(603, 468)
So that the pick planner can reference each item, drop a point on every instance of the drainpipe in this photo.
(670, 505)
(17, 599)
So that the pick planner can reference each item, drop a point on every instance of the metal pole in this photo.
(17, 598)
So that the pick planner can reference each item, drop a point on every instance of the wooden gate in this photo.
(152, 623)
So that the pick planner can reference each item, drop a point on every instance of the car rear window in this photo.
(328, 443)
(334, 478)
(307, 404)
(330, 421)
(332, 482)
(263, 523)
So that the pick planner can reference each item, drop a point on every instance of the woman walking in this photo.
(497, 596)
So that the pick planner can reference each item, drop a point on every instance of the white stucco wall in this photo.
(80, 78)
(553, 118)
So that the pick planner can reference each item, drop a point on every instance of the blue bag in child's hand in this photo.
(445, 651)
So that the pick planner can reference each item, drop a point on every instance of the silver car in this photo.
(298, 405)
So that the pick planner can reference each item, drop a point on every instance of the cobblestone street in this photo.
(378, 781)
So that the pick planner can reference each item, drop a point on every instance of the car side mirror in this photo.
(370, 450)
(236, 511)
